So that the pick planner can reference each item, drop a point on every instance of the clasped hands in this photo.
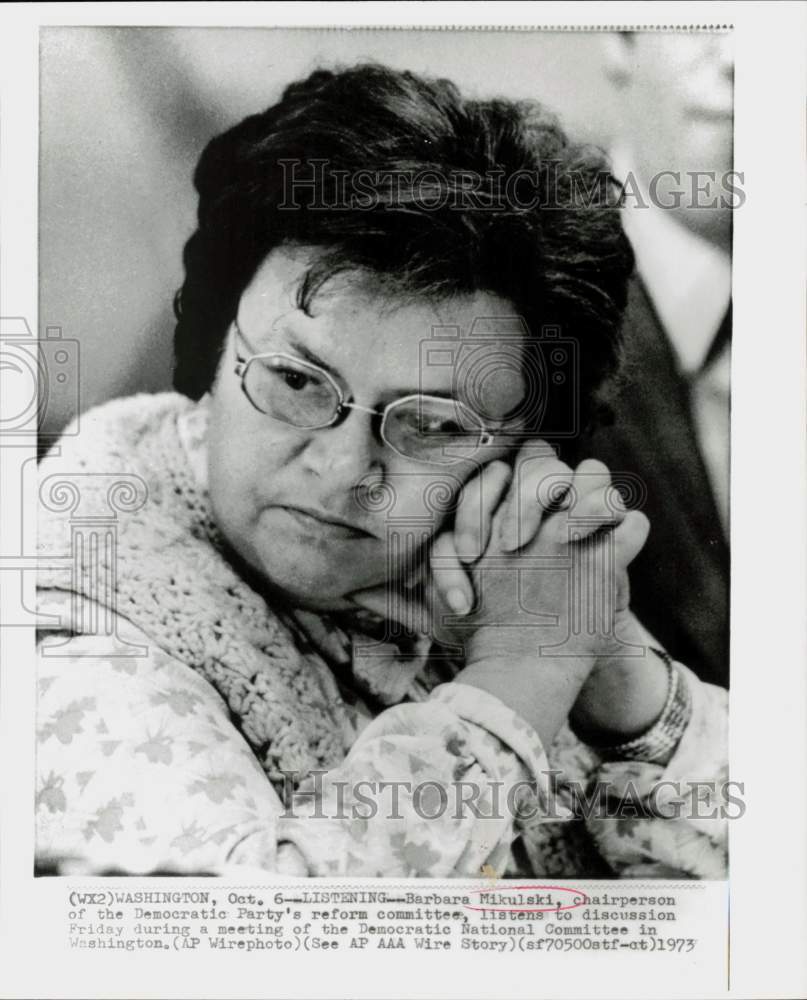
(530, 578)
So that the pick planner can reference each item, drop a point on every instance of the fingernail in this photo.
(457, 601)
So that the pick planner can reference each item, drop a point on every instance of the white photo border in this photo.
(768, 881)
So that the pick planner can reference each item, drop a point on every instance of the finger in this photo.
(374, 599)
(601, 508)
(630, 536)
(622, 591)
(480, 497)
(449, 577)
(541, 482)
(590, 475)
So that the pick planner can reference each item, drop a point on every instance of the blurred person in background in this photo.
(673, 149)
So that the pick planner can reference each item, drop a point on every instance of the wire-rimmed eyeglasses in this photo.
(432, 429)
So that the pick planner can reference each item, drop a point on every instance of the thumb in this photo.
(622, 591)
(630, 536)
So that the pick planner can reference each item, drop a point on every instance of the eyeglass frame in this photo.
(242, 365)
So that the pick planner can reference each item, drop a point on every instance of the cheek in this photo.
(421, 503)
(243, 458)
(426, 505)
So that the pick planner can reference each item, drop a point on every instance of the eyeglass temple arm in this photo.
(239, 335)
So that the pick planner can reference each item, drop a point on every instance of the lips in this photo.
(316, 521)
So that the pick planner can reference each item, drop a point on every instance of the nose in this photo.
(343, 455)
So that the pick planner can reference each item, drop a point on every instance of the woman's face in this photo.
(322, 513)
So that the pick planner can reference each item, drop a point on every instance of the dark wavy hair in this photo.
(554, 246)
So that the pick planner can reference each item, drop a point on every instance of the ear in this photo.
(618, 57)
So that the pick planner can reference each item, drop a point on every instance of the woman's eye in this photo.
(294, 379)
(438, 426)
(430, 424)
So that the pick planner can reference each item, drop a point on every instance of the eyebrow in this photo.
(308, 355)
(311, 356)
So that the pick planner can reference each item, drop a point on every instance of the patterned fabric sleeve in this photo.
(138, 765)
(140, 768)
(429, 789)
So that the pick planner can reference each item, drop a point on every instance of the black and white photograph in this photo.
(405, 394)
(381, 438)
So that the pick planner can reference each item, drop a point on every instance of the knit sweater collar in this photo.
(382, 669)
(279, 670)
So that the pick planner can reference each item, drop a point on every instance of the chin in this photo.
(316, 584)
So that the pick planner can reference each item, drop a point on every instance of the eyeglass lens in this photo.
(291, 392)
(422, 428)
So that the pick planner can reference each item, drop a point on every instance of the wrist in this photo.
(657, 742)
(621, 698)
(540, 690)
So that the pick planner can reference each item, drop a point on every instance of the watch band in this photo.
(657, 744)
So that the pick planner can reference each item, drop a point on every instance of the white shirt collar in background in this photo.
(687, 277)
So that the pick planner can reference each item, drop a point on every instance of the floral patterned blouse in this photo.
(142, 767)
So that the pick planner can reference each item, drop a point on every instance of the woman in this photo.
(361, 619)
